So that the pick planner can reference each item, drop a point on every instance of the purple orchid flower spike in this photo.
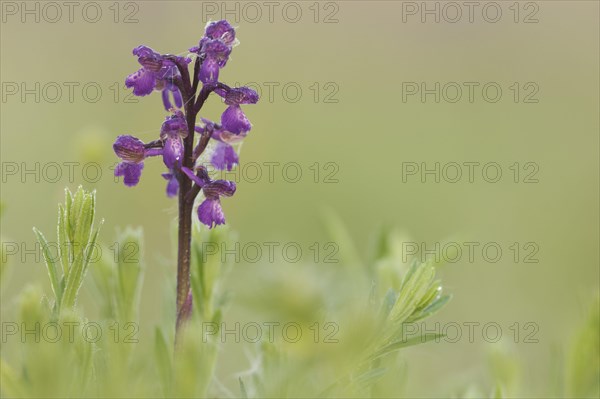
(182, 143)
(157, 73)
(132, 152)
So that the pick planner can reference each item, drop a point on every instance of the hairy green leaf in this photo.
(50, 266)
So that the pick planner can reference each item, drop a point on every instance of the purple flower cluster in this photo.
(181, 140)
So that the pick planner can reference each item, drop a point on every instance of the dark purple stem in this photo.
(188, 191)
(187, 194)
(202, 144)
(205, 92)
(196, 72)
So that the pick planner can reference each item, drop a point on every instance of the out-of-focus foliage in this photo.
(583, 373)
(356, 313)
(573, 370)
(3, 255)
(118, 281)
(356, 317)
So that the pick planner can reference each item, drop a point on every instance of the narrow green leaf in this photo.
(91, 246)
(369, 377)
(583, 365)
(412, 291)
(217, 317)
(68, 206)
(348, 253)
(388, 303)
(103, 277)
(497, 393)
(163, 360)
(83, 226)
(243, 388)
(129, 273)
(414, 266)
(381, 246)
(85, 362)
(434, 291)
(198, 254)
(395, 346)
(74, 212)
(50, 265)
(72, 283)
(78, 269)
(433, 308)
(63, 240)
(11, 386)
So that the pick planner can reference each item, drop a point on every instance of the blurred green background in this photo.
(368, 133)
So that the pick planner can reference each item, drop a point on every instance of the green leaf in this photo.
(433, 308)
(243, 388)
(387, 304)
(72, 283)
(74, 212)
(103, 277)
(68, 208)
(63, 241)
(198, 255)
(348, 254)
(33, 307)
(50, 266)
(381, 246)
(11, 386)
(85, 220)
(434, 291)
(129, 273)
(498, 392)
(369, 377)
(83, 229)
(412, 290)
(583, 365)
(163, 360)
(90, 247)
(404, 343)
